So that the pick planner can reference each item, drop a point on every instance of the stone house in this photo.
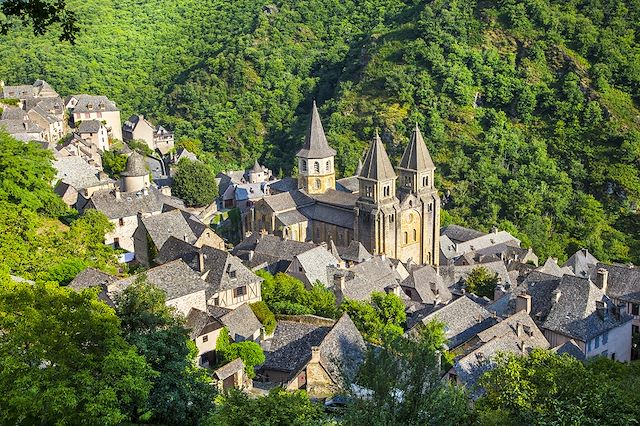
(204, 330)
(156, 138)
(95, 133)
(49, 115)
(318, 356)
(231, 375)
(269, 252)
(313, 266)
(90, 107)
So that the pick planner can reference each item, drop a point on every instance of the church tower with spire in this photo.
(419, 232)
(316, 173)
(377, 206)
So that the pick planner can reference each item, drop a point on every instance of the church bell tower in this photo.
(316, 172)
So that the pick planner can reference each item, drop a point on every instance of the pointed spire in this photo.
(359, 168)
(376, 163)
(257, 168)
(416, 156)
(315, 143)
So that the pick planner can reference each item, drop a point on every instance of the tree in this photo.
(65, 361)
(182, 392)
(41, 15)
(279, 407)
(287, 295)
(405, 387)
(545, 388)
(264, 315)
(383, 316)
(249, 352)
(482, 282)
(194, 183)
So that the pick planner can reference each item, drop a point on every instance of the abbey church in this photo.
(398, 219)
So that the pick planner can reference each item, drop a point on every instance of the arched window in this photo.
(386, 191)
(406, 237)
(328, 165)
(316, 167)
(304, 165)
(317, 183)
(415, 235)
(425, 181)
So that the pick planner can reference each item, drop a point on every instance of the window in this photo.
(386, 191)
(205, 339)
(317, 183)
(328, 165)
(216, 301)
(116, 242)
(121, 221)
(605, 337)
(406, 237)
(239, 291)
(299, 268)
(316, 167)
(232, 275)
(304, 165)
(597, 344)
(368, 191)
(390, 218)
(425, 180)
(635, 309)
(430, 207)
(415, 235)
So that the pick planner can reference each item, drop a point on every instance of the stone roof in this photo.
(571, 348)
(229, 369)
(250, 191)
(574, 314)
(551, 267)
(581, 262)
(459, 273)
(131, 124)
(375, 274)
(183, 153)
(91, 103)
(315, 142)
(241, 322)
(175, 278)
(284, 185)
(376, 164)
(427, 284)
(290, 347)
(460, 234)
(91, 277)
(288, 201)
(256, 168)
(13, 113)
(463, 319)
(291, 217)
(354, 252)
(276, 252)
(129, 204)
(20, 126)
(343, 218)
(172, 223)
(315, 263)
(200, 322)
(337, 198)
(484, 241)
(136, 165)
(623, 281)
(177, 248)
(76, 172)
(348, 184)
(540, 287)
(225, 271)
(89, 126)
(342, 350)
(416, 156)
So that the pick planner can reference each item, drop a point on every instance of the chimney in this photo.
(601, 309)
(339, 281)
(315, 354)
(523, 303)
(117, 193)
(494, 229)
(602, 279)
(250, 255)
(556, 296)
(201, 258)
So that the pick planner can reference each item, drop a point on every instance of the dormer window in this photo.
(89, 106)
(232, 275)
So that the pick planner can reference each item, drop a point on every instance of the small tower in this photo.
(256, 173)
(377, 205)
(416, 169)
(316, 173)
(136, 175)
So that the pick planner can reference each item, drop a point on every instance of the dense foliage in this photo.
(382, 318)
(482, 282)
(265, 316)
(182, 393)
(34, 242)
(249, 352)
(546, 388)
(194, 183)
(530, 108)
(65, 360)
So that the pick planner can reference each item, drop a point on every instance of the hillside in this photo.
(530, 108)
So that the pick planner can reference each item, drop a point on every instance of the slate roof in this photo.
(200, 322)
(460, 234)
(20, 126)
(91, 277)
(327, 214)
(184, 153)
(76, 172)
(342, 350)
(575, 314)
(623, 281)
(136, 165)
(315, 142)
(354, 252)
(570, 348)
(337, 198)
(581, 262)
(256, 168)
(416, 156)
(175, 278)
(164, 225)
(540, 287)
(291, 345)
(250, 191)
(348, 184)
(89, 126)
(219, 266)
(551, 267)
(288, 201)
(92, 103)
(284, 185)
(485, 241)
(427, 284)
(315, 263)
(463, 319)
(129, 204)
(291, 217)
(13, 113)
(241, 322)
(229, 369)
(375, 274)
(376, 164)
(270, 249)
(458, 273)
(177, 248)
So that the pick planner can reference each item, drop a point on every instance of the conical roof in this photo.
(359, 168)
(257, 168)
(315, 143)
(136, 165)
(376, 163)
(416, 155)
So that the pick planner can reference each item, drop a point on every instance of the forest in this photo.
(529, 108)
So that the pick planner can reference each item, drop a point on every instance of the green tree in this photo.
(65, 360)
(182, 392)
(40, 15)
(250, 352)
(194, 183)
(405, 387)
(545, 388)
(482, 282)
(113, 163)
(264, 315)
(279, 407)
(383, 316)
